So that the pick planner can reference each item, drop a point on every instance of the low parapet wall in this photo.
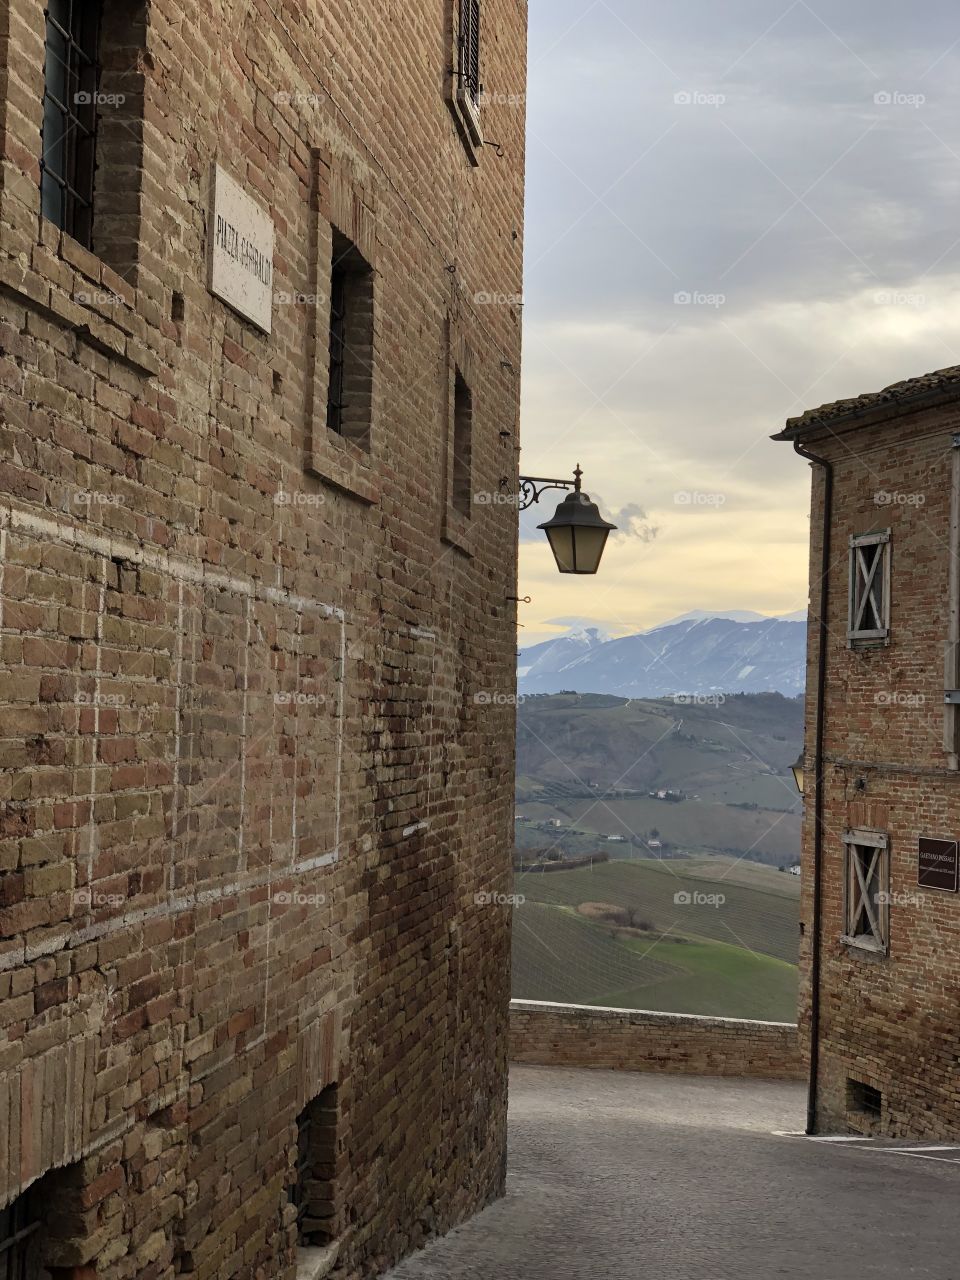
(574, 1035)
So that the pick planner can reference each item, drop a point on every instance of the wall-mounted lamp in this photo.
(797, 770)
(577, 533)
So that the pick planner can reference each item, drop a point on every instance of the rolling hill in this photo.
(591, 766)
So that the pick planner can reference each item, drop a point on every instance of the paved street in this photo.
(632, 1175)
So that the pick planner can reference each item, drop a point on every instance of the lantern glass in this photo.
(577, 534)
(577, 549)
(797, 770)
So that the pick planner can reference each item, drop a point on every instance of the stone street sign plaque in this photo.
(939, 864)
(240, 250)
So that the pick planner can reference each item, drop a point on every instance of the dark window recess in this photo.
(20, 1240)
(470, 48)
(462, 445)
(864, 1099)
(313, 1193)
(338, 344)
(350, 385)
(71, 79)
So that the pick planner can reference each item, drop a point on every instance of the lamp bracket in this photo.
(532, 488)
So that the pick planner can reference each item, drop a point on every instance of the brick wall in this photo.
(247, 793)
(565, 1035)
(887, 1020)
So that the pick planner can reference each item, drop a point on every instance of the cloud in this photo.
(697, 272)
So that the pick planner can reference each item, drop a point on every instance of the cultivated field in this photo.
(735, 958)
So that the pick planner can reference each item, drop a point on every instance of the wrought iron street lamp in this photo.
(577, 532)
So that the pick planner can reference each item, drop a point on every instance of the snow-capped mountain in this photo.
(694, 655)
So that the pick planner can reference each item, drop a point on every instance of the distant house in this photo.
(617, 839)
(795, 871)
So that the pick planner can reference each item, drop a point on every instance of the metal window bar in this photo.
(338, 344)
(470, 48)
(69, 133)
(17, 1229)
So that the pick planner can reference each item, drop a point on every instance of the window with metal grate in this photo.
(19, 1226)
(470, 48)
(71, 78)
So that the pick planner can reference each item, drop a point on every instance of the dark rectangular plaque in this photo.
(939, 866)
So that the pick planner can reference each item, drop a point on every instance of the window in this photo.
(869, 619)
(20, 1240)
(338, 325)
(470, 49)
(71, 79)
(864, 1099)
(350, 381)
(867, 890)
(462, 445)
(314, 1191)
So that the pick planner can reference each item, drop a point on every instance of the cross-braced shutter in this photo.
(867, 897)
(470, 47)
(869, 587)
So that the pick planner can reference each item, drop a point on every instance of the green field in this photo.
(736, 959)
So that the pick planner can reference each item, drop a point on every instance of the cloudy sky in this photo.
(737, 210)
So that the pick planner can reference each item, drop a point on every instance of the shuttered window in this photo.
(869, 587)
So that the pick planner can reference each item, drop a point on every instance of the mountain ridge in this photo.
(694, 655)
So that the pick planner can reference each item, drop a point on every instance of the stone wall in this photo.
(248, 793)
(576, 1035)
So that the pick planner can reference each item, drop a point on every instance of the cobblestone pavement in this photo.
(680, 1178)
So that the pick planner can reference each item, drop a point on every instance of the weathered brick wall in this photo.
(247, 795)
(888, 1021)
(576, 1035)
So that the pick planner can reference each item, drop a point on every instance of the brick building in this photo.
(259, 351)
(880, 951)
